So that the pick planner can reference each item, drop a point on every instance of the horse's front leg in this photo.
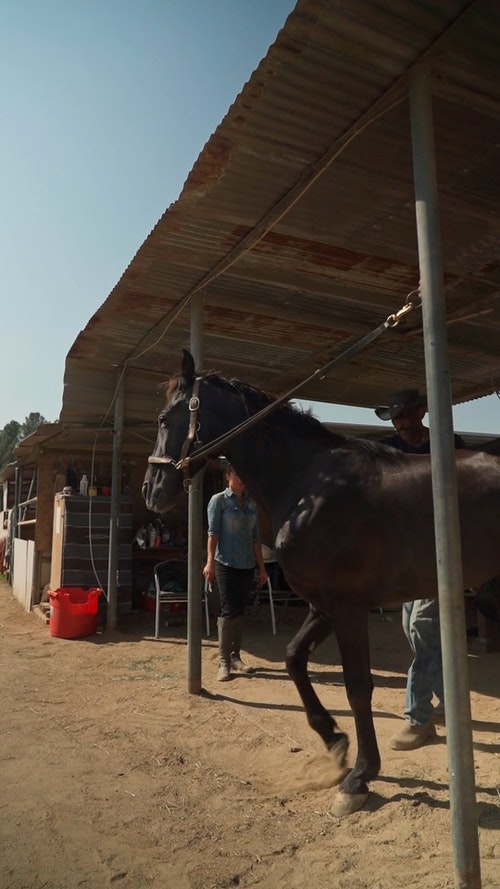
(351, 629)
(314, 630)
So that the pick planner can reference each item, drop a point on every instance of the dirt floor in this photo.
(113, 775)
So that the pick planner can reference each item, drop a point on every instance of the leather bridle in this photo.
(183, 463)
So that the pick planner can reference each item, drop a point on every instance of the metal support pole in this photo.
(195, 527)
(14, 523)
(116, 495)
(444, 485)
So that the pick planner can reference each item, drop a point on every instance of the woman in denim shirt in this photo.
(233, 552)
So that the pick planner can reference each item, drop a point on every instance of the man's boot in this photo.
(236, 639)
(413, 736)
(224, 631)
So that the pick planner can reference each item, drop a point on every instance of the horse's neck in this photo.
(271, 457)
(271, 467)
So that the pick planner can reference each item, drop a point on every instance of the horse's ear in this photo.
(188, 372)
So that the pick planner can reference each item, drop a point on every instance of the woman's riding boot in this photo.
(236, 637)
(224, 631)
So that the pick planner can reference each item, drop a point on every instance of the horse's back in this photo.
(365, 528)
(492, 446)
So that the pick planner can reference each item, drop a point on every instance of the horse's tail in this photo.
(488, 599)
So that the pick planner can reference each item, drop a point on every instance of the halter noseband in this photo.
(192, 437)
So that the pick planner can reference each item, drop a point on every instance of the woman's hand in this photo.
(209, 569)
(262, 576)
(209, 572)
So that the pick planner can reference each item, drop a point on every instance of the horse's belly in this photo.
(382, 550)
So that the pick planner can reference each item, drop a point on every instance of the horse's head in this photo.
(197, 411)
(163, 481)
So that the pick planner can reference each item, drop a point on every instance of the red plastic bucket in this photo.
(73, 612)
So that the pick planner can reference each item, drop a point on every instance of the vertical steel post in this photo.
(195, 527)
(116, 495)
(14, 522)
(444, 485)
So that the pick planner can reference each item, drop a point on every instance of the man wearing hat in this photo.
(407, 409)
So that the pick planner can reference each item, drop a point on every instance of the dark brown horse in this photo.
(353, 530)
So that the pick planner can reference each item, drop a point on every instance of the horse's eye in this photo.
(163, 420)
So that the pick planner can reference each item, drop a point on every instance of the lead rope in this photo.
(413, 300)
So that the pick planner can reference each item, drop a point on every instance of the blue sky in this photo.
(106, 104)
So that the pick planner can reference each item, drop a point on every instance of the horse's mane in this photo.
(302, 422)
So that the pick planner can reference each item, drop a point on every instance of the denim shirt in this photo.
(236, 528)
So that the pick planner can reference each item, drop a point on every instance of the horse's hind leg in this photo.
(352, 635)
(314, 630)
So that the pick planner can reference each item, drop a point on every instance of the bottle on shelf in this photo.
(151, 536)
(84, 484)
(158, 529)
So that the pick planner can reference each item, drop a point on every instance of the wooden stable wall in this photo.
(52, 466)
(53, 460)
(44, 516)
(24, 560)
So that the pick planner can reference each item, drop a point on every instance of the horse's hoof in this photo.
(347, 803)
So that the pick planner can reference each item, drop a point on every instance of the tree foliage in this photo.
(14, 432)
(31, 423)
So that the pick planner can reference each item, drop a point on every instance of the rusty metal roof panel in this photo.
(297, 222)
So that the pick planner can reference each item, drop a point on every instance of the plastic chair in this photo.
(170, 581)
(276, 587)
(275, 596)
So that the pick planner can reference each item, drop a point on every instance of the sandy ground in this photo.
(113, 775)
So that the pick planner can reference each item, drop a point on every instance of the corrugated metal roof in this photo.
(297, 221)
